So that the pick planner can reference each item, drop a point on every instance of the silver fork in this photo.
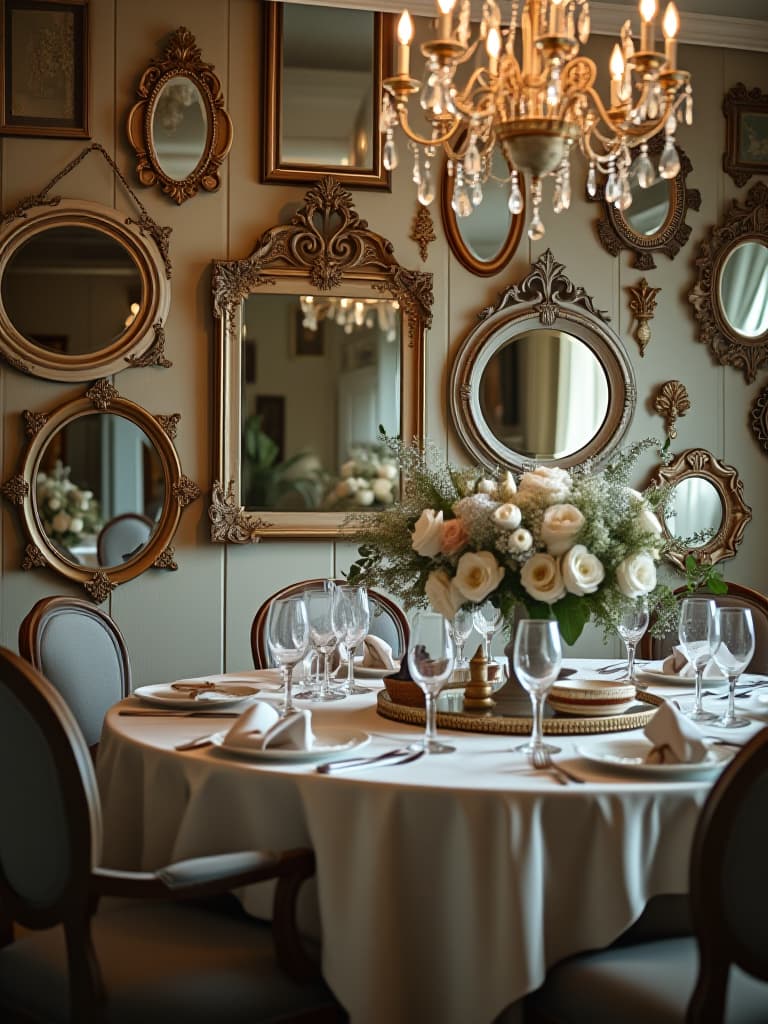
(542, 759)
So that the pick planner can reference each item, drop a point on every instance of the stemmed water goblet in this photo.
(352, 619)
(734, 650)
(461, 629)
(537, 656)
(631, 627)
(288, 641)
(697, 632)
(487, 621)
(323, 635)
(430, 660)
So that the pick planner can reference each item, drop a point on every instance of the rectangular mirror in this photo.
(321, 98)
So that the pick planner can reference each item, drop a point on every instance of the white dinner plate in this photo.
(628, 755)
(229, 691)
(329, 741)
(655, 676)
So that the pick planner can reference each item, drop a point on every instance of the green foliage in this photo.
(267, 483)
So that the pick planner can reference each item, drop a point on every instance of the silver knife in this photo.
(390, 757)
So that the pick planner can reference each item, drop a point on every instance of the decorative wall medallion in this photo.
(759, 418)
(423, 230)
(101, 394)
(642, 305)
(671, 402)
(99, 586)
(165, 559)
(169, 423)
(15, 490)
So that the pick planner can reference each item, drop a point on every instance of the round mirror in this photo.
(650, 207)
(538, 362)
(696, 508)
(743, 288)
(179, 127)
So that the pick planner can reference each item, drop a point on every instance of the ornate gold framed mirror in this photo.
(656, 220)
(320, 339)
(321, 100)
(83, 293)
(93, 464)
(708, 501)
(179, 128)
(729, 298)
(542, 378)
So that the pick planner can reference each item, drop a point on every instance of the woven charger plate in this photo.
(467, 721)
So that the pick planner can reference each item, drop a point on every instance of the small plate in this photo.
(329, 741)
(231, 692)
(655, 676)
(628, 756)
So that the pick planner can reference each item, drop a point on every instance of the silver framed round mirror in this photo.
(542, 378)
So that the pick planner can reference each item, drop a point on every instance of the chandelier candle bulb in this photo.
(647, 26)
(404, 37)
(617, 74)
(493, 46)
(555, 17)
(670, 27)
(445, 22)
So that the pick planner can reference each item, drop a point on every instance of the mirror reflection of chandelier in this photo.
(351, 314)
(536, 107)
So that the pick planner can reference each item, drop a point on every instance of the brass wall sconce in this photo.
(671, 402)
(642, 305)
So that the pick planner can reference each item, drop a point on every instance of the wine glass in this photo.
(461, 630)
(352, 618)
(631, 627)
(288, 641)
(697, 631)
(322, 631)
(537, 656)
(430, 660)
(486, 618)
(734, 650)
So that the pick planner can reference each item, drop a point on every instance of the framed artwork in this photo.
(746, 133)
(309, 343)
(44, 81)
(271, 408)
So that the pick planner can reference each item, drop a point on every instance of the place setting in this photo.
(217, 695)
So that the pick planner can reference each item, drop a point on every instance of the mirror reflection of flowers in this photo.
(369, 477)
(66, 511)
(573, 546)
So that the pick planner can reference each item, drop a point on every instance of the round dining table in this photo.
(446, 886)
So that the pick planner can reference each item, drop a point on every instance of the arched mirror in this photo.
(320, 340)
(486, 237)
(707, 514)
(542, 378)
(730, 297)
(179, 128)
(83, 293)
(656, 219)
(99, 490)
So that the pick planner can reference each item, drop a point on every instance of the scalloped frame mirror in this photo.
(93, 434)
(712, 498)
(544, 337)
(328, 251)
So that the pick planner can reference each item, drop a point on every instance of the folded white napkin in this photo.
(677, 664)
(676, 739)
(377, 653)
(260, 727)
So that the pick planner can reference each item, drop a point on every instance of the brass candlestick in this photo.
(477, 693)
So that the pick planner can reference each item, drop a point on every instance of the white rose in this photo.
(61, 521)
(364, 496)
(442, 594)
(560, 527)
(649, 521)
(382, 490)
(549, 483)
(54, 504)
(427, 533)
(542, 579)
(507, 516)
(521, 540)
(387, 470)
(84, 505)
(582, 571)
(486, 486)
(88, 494)
(477, 574)
(636, 575)
(76, 525)
(348, 468)
(507, 486)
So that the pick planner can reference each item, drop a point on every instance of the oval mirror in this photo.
(650, 207)
(743, 288)
(696, 511)
(82, 293)
(100, 490)
(542, 378)
(180, 127)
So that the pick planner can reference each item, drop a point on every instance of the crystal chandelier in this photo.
(536, 106)
(350, 314)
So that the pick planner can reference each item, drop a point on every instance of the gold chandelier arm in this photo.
(437, 140)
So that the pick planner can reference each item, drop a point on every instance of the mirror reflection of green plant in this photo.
(297, 482)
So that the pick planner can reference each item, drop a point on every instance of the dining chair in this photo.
(718, 975)
(121, 537)
(388, 620)
(81, 651)
(653, 648)
(159, 950)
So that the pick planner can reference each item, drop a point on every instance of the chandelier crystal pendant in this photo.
(537, 106)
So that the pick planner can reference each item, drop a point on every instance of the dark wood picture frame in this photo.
(271, 408)
(746, 133)
(45, 64)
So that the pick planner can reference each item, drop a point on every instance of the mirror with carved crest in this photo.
(320, 339)
(544, 336)
(99, 490)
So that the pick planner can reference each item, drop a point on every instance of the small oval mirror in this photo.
(650, 207)
(179, 127)
(696, 508)
(743, 288)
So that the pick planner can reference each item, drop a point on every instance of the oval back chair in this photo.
(122, 537)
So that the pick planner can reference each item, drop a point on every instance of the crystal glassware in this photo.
(352, 619)
(734, 650)
(461, 627)
(486, 618)
(288, 641)
(430, 660)
(325, 639)
(697, 632)
(631, 627)
(537, 656)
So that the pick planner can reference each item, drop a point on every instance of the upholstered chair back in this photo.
(123, 537)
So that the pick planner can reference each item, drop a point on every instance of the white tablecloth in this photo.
(446, 887)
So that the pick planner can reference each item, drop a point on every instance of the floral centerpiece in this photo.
(66, 511)
(575, 545)
(370, 476)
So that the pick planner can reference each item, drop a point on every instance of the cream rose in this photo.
(364, 496)
(76, 526)
(560, 527)
(542, 579)
(387, 471)
(442, 594)
(548, 483)
(382, 490)
(507, 487)
(507, 516)
(61, 522)
(477, 575)
(636, 575)
(454, 536)
(582, 571)
(521, 540)
(486, 486)
(427, 533)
